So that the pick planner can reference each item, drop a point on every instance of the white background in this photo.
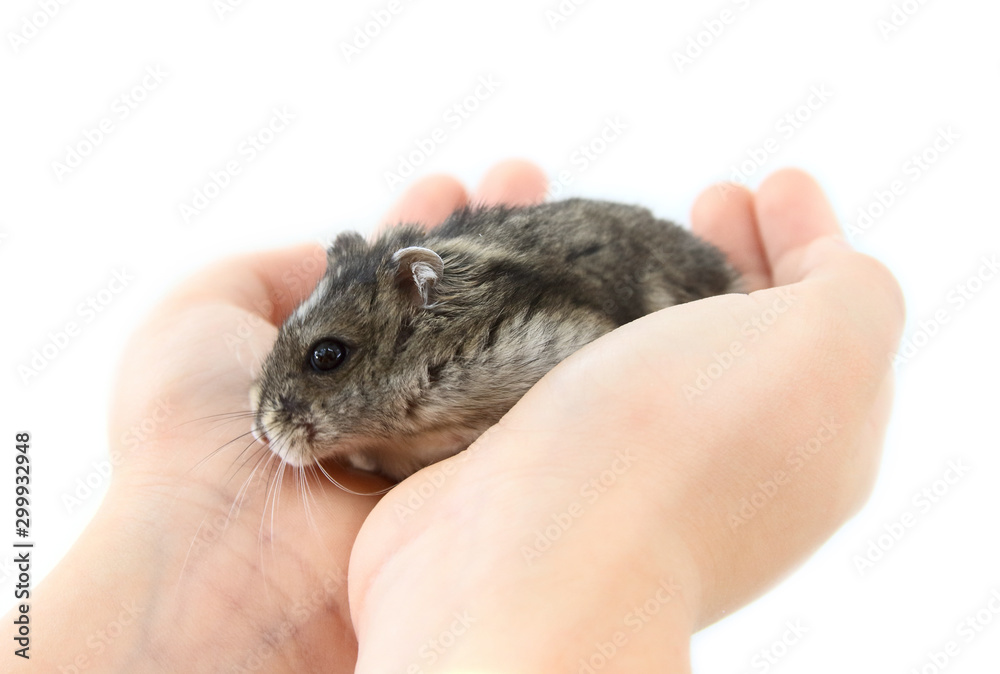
(62, 237)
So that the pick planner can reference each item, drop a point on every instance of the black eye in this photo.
(328, 354)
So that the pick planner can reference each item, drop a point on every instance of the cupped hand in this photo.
(208, 555)
(607, 504)
(656, 480)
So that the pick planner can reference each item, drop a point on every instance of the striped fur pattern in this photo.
(446, 329)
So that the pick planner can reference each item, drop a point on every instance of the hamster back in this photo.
(413, 345)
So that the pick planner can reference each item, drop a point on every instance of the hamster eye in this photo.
(328, 354)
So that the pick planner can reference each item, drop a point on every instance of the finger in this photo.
(791, 212)
(724, 216)
(514, 182)
(270, 283)
(803, 242)
(427, 202)
(854, 289)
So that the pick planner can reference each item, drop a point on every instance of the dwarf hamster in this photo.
(410, 347)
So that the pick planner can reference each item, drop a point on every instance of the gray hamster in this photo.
(410, 347)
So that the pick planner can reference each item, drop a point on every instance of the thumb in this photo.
(268, 283)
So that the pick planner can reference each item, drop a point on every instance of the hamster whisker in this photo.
(276, 504)
(246, 460)
(222, 416)
(180, 574)
(349, 491)
(219, 423)
(273, 466)
(307, 496)
(300, 489)
(234, 510)
(267, 495)
(261, 449)
(241, 493)
(279, 474)
(297, 480)
(219, 449)
(234, 413)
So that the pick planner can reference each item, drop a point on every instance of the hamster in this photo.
(410, 347)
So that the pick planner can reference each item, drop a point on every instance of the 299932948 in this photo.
(22, 486)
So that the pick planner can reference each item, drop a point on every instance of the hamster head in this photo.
(345, 368)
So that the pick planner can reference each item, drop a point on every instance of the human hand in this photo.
(205, 555)
(210, 590)
(656, 480)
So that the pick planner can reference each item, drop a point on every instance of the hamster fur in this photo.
(413, 345)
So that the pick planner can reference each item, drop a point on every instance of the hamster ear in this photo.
(418, 273)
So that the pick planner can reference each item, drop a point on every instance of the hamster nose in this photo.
(292, 405)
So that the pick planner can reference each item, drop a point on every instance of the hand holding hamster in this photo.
(410, 347)
(266, 589)
(602, 521)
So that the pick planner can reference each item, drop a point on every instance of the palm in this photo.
(822, 366)
(233, 523)
(273, 546)
(239, 527)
